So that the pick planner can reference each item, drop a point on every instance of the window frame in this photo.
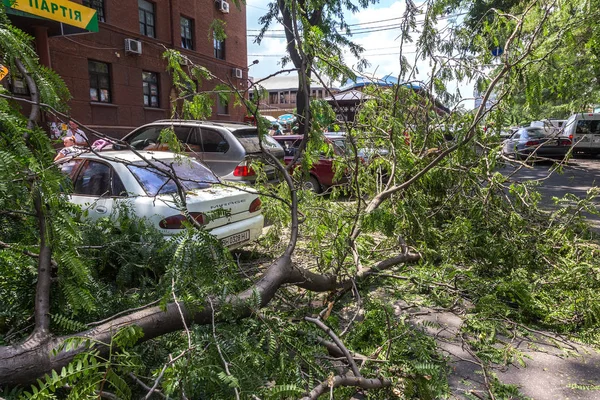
(95, 80)
(144, 24)
(187, 42)
(222, 106)
(99, 6)
(147, 97)
(219, 48)
(114, 180)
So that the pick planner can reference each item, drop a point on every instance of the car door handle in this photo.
(101, 210)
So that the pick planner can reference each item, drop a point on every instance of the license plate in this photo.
(235, 239)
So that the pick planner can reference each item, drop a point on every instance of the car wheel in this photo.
(312, 184)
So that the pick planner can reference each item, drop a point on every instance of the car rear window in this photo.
(248, 138)
(535, 133)
(191, 174)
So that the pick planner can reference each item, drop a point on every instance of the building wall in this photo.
(70, 54)
(283, 101)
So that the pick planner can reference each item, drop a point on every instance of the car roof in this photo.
(288, 137)
(335, 136)
(231, 125)
(130, 156)
(297, 137)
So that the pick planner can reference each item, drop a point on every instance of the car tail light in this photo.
(243, 170)
(571, 136)
(255, 205)
(564, 142)
(532, 143)
(176, 221)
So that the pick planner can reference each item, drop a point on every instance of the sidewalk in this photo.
(556, 369)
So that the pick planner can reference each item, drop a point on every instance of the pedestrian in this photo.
(69, 150)
(79, 135)
(276, 130)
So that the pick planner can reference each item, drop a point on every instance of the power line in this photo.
(357, 24)
(363, 32)
(364, 55)
(372, 22)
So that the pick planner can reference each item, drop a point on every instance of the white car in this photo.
(100, 183)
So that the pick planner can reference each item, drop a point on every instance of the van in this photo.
(584, 130)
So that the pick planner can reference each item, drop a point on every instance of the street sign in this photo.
(64, 11)
(497, 51)
(3, 72)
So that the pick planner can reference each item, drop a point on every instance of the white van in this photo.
(584, 130)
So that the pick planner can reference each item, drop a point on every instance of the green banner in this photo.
(64, 11)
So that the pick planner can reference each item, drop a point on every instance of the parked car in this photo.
(533, 141)
(103, 182)
(226, 147)
(366, 154)
(507, 132)
(584, 130)
(322, 174)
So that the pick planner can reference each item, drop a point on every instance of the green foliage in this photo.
(89, 373)
(217, 30)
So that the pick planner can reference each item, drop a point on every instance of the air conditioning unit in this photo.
(133, 46)
(224, 7)
(237, 73)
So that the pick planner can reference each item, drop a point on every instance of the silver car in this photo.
(534, 142)
(228, 148)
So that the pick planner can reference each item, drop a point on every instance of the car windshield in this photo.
(249, 140)
(191, 174)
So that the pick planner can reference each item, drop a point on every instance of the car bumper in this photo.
(232, 235)
(558, 152)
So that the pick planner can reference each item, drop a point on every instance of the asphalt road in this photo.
(577, 178)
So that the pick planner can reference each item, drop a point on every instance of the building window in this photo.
(219, 48)
(97, 5)
(99, 81)
(150, 89)
(146, 17)
(222, 106)
(273, 98)
(187, 33)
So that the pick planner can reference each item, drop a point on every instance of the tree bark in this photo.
(44, 279)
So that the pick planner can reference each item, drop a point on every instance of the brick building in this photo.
(117, 76)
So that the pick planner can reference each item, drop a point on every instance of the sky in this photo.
(376, 29)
